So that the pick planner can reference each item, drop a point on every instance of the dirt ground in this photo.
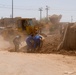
(47, 61)
(19, 63)
(36, 64)
(4, 45)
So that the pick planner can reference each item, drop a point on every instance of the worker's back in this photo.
(29, 41)
(37, 41)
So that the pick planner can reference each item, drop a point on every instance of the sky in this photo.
(30, 8)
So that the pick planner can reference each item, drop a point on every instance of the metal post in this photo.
(12, 9)
(47, 8)
(71, 19)
(40, 9)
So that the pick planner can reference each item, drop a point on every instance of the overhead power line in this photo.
(19, 8)
(22, 8)
(62, 9)
(4, 5)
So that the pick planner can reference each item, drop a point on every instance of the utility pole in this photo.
(40, 9)
(47, 8)
(71, 19)
(12, 9)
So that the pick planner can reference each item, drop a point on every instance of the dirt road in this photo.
(36, 64)
(18, 63)
(4, 45)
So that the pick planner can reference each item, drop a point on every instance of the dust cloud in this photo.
(4, 45)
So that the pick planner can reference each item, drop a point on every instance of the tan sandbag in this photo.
(22, 44)
(42, 38)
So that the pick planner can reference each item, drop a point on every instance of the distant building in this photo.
(9, 22)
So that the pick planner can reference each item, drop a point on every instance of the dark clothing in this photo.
(30, 41)
(16, 42)
(33, 41)
(37, 41)
(16, 47)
